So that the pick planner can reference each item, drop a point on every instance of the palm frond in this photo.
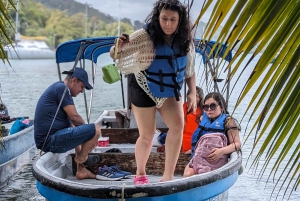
(271, 27)
(5, 24)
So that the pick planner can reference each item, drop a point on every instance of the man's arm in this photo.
(75, 118)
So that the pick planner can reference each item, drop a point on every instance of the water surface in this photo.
(24, 82)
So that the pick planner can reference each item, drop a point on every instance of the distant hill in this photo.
(72, 7)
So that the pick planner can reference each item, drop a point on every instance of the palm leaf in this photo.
(4, 25)
(271, 27)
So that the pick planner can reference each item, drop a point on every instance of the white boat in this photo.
(55, 172)
(29, 49)
(16, 150)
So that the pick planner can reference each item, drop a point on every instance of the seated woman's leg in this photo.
(188, 171)
(172, 114)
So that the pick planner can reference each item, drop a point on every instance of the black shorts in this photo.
(138, 96)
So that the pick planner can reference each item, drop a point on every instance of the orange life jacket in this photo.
(190, 125)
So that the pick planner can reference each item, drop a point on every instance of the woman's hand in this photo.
(120, 41)
(215, 155)
(191, 102)
(123, 39)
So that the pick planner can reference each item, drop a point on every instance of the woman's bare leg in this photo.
(188, 171)
(172, 114)
(145, 118)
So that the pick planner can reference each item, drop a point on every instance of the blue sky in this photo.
(136, 9)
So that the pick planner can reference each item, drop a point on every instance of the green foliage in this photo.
(72, 7)
(5, 26)
(271, 27)
(66, 23)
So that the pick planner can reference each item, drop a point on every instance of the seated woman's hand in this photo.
(215, 155)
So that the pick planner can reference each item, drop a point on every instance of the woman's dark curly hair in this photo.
(220, 100)
(183, 34)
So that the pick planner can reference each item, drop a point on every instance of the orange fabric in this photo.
(190, 125)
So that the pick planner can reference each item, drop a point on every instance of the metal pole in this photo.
(17, 17)
(119, 19)
(122, 89)
(86, 18)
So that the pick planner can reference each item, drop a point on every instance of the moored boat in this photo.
(54, 172)
(16, 150)
(29, 50)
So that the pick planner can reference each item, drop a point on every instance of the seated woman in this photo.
(191, 121)
(215, 119)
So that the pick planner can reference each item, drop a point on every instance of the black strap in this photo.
(165, 74)
(161, 81)
(167, 57)
(211, 129)
(164, 84)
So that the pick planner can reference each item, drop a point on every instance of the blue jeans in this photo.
(69, 138)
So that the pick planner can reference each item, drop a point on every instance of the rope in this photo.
(122, 196)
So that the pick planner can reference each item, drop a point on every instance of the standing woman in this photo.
(161, 56)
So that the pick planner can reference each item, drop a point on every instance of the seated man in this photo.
(58, 127)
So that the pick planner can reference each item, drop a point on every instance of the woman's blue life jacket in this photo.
(206, 126)
(165, 75)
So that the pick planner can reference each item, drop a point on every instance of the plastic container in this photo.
(103, 141)
(110, 74)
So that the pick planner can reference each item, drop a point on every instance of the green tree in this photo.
(271, 27)
(5, 26)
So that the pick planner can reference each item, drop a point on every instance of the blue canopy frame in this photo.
(94, 47)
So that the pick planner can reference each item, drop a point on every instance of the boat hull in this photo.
(203, 193)
(29, 53)
(17, 150)
(56, 181)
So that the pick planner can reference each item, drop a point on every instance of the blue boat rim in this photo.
(151, 190)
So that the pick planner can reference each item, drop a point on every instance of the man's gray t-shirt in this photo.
(45, 112)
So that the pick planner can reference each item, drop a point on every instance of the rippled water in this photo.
(23, 84)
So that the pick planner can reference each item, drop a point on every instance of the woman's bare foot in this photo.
(83, 173)
(165, 178)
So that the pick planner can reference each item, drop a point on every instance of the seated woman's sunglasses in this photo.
(212, 106)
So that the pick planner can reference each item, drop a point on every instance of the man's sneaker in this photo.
(107, 174)
(118, 170)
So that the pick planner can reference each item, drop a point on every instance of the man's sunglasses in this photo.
(212, 106)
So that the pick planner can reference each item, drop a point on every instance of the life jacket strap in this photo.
(161, 81)
(164, 84)
(211, 129)
(168, 57)
(166, 74)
